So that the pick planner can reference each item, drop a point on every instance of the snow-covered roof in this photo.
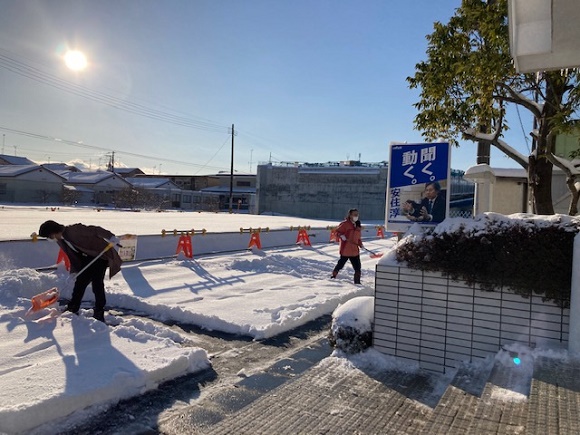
(89, 177)
(127, 170)
(60, 167)
(152, 183)
(15, 170)
(15, 160)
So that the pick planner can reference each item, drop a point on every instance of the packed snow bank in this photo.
(55, 367)
(245, 294)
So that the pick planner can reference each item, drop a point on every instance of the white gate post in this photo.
(574, 334)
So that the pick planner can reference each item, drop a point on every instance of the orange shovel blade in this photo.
(44, 299)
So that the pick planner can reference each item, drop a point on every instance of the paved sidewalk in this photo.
(332, 397)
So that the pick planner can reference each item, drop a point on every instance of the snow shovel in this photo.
(49, 297)
(373, 254)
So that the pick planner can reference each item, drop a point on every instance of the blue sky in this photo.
(302, 80)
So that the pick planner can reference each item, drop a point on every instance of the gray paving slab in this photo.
(331, 399)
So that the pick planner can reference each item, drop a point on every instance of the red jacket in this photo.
(350, 246)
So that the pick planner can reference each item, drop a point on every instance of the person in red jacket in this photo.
(82, 243)
(349, 232)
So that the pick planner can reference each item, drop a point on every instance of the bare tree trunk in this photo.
(540, 180)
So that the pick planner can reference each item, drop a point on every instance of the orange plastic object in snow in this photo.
(44, 299)
(255, 240)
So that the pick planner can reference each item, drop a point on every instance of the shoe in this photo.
(334, 273)
(357, 277)
(73, 309)
(99, 315)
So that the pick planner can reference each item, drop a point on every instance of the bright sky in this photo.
(301, 80)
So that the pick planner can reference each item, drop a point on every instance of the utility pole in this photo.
(112, 162)
(232, 174)
(3, 142)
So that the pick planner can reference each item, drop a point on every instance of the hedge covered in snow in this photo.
(523, 253)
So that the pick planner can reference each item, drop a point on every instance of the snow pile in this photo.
(53, 368)
(351, 329)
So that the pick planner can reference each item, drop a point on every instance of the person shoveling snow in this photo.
(89, 250)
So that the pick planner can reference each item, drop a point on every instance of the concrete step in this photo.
(503, 406)
(554, 404)
(455, 411)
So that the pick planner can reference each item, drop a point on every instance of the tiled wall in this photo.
(426, 317)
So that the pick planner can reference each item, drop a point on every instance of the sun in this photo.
(75, 60)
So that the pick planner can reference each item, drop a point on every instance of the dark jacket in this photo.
(352, 232)
(438, 208)
(87, 242)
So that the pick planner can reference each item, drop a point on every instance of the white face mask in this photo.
(354, 218)
(53, 239)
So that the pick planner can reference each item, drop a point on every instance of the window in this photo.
(243, 184)
(2, 188)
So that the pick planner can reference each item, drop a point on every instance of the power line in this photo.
(212, 157)
(94, 147)
(526, 138)
(38, 75)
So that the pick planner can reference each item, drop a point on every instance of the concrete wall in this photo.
(508, 196)
(43, 253)
(426, 317)
(505, 190)
(322, 192)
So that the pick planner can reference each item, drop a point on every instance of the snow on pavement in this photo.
(64, 367)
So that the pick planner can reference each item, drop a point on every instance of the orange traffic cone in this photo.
(380, 232)
(255, 240)
(303, 238)
(184, 245)
(63, 257)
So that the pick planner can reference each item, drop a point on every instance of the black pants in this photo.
(355, 261)
(94, 275)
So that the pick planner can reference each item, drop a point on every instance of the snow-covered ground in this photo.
(59, 371)
(58, 368)
(18, 222)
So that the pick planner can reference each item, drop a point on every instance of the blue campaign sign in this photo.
(418, 163)
(417, 185)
